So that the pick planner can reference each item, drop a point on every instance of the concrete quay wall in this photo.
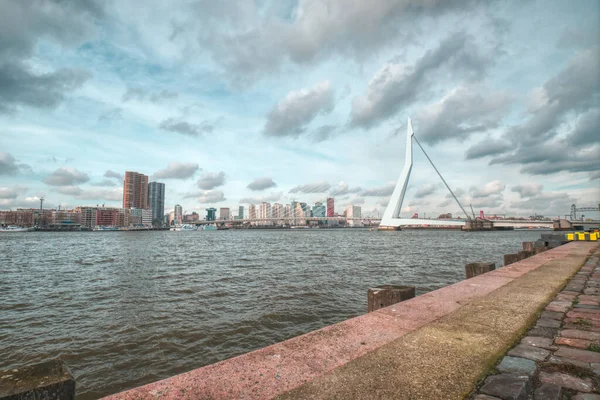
(437, 345)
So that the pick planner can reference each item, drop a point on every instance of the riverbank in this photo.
(438, 345)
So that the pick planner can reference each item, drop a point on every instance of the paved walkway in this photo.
(560, 356)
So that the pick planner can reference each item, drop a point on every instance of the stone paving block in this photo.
(552, 315)
(586, 396)
(588, 302)
(585, 356)
(587, 314)
(538, 341)
(591, 283)
(486, 397)
(578, 343)
(543, 332)
(559, 306)
(507, 386)
(567, 381)
(548, 391)
(517, 365)
(562, 360)
(592, 291)
(587, 308)
(548, 323)
(580, 334)
(595, 368)
(583, 323)
(565, 297)
(530, 352)
(575, 287)
(569, 292)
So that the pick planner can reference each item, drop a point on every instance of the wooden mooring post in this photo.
(386, 295)
(478, 268)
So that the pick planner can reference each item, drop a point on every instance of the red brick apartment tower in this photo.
(135, 190)
(330, 208)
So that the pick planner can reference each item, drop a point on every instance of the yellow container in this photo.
(580, 236)
(594, 236)
(570, 236)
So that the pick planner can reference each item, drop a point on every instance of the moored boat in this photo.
(15, 228)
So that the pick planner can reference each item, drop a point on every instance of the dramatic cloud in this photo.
(211, 196)
(548, 202)
(461, 113)
(177, 170)
(489, 189)
(318, 187)
(395, 85)
(66, 177)
(342, 188)
(112, 174)
(186, 128)
(276, 196)
(104, 183)
(111, 115)
(489, 147)
(323, 133)
(261, 184)
(528, 189)
(211, 180)
(139, 94)
(425, 190)
(380, 191)
(9, 166)
(11, 192)
(291, 115)
(587, 130)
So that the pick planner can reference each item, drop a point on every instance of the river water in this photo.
(128, 308)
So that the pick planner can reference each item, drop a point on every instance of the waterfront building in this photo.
(224, 213)
(264, 210)
(193, 217)
(306, 210)
(156, 202)
(330, 207)
(241, 212)
(293, 208)
(64, 217)
(353, 212)
(211, 214)
(87, 216)
(140, 217)
(178, 217)
(287, 211)
(19, 218)
(252, 211)
(318, 210)
(277, 210)
(135, 190)
(172, 218)
(299, 214)
(106, 216)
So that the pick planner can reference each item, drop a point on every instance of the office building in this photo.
(241, 212)
(264, 210)
(224, 213)
(135, 190)
(353, 212)
(277, 210)
(318, 210)
(330, 207)
(287, 211)
(211, 214)
(252, 211)
(178, 216)
(156, 202)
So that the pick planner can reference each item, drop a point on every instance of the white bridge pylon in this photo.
(391, 216)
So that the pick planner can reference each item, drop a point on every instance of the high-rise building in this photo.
(353, 212)
(287, 211)
(264, 210)
(178, 217)
(211, 214)
(277, 211)
(156, 202)
(252, 211)
(241, 212)
(330, 207)
(135, 190)
(318, 210)
(224, 213)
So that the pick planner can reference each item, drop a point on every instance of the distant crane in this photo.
(575, 209)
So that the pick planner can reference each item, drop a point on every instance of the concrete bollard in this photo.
(50, 380)
(510, 258)
(386, 295)
(478, 268)
(524, 254)
(528, 246)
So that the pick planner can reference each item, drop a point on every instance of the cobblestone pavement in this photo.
(560, 356)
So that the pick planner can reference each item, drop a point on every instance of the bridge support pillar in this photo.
(386, 295)
(478, 268)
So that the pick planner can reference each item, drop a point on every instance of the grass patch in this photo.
(594, 347)
(576, 301)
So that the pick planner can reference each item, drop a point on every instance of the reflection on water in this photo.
(128, 308)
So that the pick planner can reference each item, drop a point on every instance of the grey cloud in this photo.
(324, 132)
(69, 190)
(318, 187)
(140, 94)
(489, 189)
(395, 86)
(276, 196)
(211, 180)
(357, 200)
(528, 189)
(66, 177)
(9, 165)
(101, 194)
(343, 188)
(587, 130)
(425, 190)
(290, 116)
(261, 184)
(380, 191)
(461, 113)
(549, 202)
(177, 170)
(489, 147)
(134, 93)
(112, 174)
(11, 192)
(21, 87)
(211, 196)
(104, 183)
(111, 115)
(185, 128)
(163, 95)
(446, 203)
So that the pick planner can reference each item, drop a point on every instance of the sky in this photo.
(239, 102)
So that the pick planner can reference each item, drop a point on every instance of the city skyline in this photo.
(314, 114)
